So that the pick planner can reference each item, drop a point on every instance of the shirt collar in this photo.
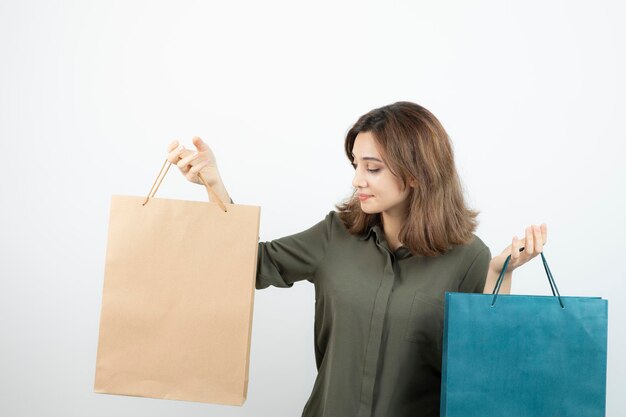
(402, 252)
(372, 229)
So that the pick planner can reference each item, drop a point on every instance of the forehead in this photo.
(365, 145)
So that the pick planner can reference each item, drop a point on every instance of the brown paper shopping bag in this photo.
(177, 300)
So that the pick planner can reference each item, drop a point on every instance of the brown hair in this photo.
(415, 147)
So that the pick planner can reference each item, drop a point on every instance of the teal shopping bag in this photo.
(524, 356)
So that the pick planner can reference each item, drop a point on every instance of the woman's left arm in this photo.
(536, 237)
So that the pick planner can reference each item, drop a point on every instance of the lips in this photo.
(364, 196)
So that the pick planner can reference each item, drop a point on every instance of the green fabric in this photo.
(378, 315)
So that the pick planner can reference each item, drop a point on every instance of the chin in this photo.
(369, 210)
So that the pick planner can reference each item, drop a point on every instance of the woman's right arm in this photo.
(296, 257)
(190, 163)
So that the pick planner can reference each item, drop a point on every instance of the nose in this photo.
(358, 181)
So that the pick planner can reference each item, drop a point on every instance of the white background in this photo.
(91, 93)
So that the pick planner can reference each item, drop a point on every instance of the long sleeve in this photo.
(283, 261)
(476, 276)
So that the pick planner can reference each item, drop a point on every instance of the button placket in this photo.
(375, 336)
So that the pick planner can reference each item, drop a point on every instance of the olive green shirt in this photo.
(378, 315)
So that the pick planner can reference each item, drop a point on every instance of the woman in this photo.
(382, 263)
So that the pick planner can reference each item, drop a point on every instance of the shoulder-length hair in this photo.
(415, 147)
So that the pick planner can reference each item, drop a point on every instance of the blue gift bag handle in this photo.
(555, 290)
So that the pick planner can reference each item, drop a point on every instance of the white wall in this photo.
(532, 94)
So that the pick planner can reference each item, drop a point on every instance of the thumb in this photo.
(199, 144)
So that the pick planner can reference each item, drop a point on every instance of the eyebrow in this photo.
(368, 158)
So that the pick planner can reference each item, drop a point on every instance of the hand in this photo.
(533, 243)
(191, 163)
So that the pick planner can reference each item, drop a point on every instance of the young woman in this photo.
(382, 263)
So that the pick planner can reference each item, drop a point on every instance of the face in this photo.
(373, 178)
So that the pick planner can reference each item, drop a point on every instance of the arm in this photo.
(281, 262)
(492, 277)
(221, 191)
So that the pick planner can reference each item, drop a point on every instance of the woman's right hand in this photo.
(203, 161)
(190, 163)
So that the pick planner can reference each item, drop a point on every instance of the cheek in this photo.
(379, 184)
(395, 190)
(390, 184)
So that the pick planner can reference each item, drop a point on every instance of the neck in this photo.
(392, 223)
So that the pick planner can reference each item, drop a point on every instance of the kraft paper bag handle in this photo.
(555, 290)
(160, 177)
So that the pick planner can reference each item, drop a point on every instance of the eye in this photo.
(369, 170)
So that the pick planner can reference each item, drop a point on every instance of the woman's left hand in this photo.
(536, 237)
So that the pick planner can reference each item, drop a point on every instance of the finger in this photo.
(174, 156)
(187, 160)
(185, 153)
(515, 245)
(544, 233)
(172, 146)
(537, 237)
(529, 246)
(196, 168)
(199, 144)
